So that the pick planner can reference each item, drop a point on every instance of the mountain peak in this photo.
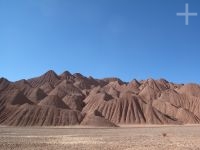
(50, 72)
(65, 75)
(50, 76)
(2, 79)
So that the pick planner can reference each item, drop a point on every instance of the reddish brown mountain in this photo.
(73, 99)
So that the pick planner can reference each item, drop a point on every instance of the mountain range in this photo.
(73, 99)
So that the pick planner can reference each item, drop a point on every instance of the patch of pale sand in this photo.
(155, 125)
(143, 143)
(140, 142)
(147, 138)
(78, 140)
(186, 142)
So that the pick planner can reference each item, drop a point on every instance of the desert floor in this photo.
(122, 138)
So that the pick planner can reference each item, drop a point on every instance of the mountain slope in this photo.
(73, 99)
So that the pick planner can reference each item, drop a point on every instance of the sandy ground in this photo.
(123, 138)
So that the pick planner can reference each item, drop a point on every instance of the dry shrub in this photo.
(164, 134)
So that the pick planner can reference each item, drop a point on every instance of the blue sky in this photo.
(103, 38)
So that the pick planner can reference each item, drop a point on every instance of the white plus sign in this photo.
(186, 14)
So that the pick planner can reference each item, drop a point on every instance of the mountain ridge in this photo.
(73, 99)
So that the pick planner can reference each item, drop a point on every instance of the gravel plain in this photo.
(90, 138)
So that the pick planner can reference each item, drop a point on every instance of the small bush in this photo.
(164, 134)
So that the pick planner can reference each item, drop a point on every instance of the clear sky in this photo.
(102, 38)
